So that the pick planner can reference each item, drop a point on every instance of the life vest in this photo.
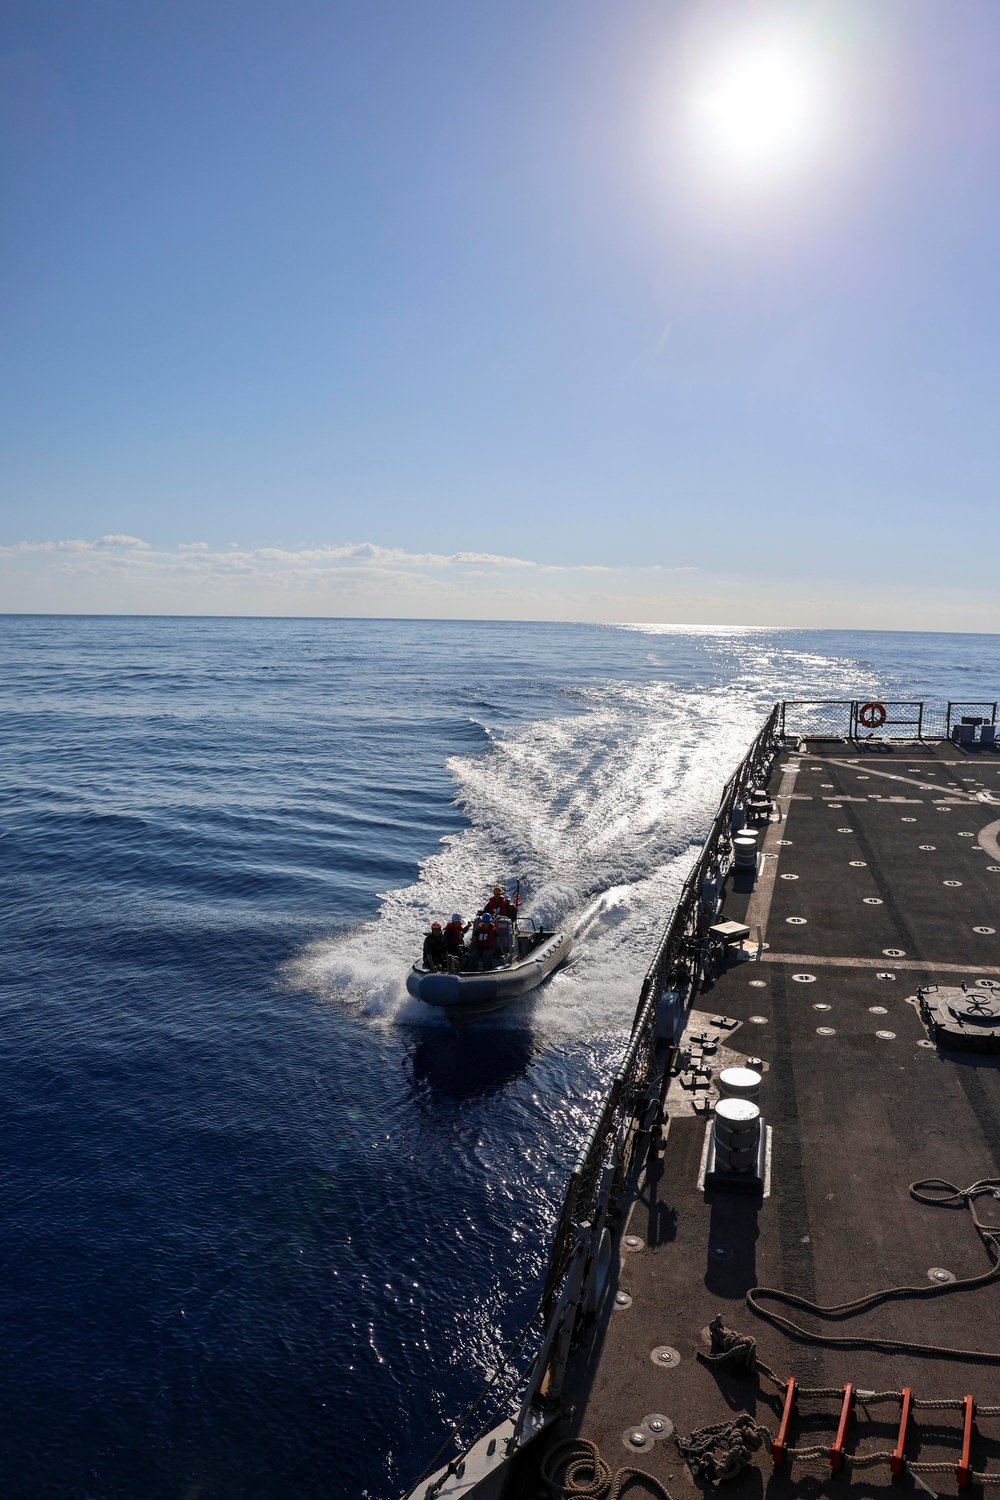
(453, 932)
(484, 934)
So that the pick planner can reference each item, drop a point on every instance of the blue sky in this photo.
(396, 307)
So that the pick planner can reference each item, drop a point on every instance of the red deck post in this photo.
(781, 1441)
(962, 1467)
(837, 1451)
(898, 1462)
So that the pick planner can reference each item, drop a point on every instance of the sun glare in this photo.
(761, 110)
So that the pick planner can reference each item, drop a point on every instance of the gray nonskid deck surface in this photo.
(856, 1118)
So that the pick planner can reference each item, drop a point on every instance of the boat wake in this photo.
(599, 814)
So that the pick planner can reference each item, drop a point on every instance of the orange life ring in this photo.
(872, 715)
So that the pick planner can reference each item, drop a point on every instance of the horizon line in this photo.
(480, 620)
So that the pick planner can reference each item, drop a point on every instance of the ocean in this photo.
(266, 1220)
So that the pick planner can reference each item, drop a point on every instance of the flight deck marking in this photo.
(813, 960)
(908, 780)
(988, 838)
(759, 905)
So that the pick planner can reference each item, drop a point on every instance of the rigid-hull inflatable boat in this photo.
(472, 993)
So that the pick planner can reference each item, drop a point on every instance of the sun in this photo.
(761, 110)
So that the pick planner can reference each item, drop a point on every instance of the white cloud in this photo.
(118, 540)
(120, 573)
(111, 542)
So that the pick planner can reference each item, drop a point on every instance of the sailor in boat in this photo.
(499, 906)
(454, 937)
(485, 945)
(435, 948)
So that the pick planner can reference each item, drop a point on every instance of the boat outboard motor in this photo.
(504, 936)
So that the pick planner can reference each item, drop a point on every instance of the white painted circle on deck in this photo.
(845, 830)
(804, 978)
(825, 1031)
(929, 847)
(907, 820)
(894, 952)
(985, 931)
(873, 901)
(796, 921)
(951, 882)
(988, 838)
(859, 864)
(877, 1010)
(886, 1036)
(789, 877)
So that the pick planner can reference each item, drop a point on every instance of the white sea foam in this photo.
(599, 813)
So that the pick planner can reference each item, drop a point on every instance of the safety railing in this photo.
(579, 1261)
(881, 718)
(634, 1100)
(816, 718)
(889, 718)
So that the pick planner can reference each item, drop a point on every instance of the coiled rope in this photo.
(575, 1470)
(720, 1452)
(937, 1193)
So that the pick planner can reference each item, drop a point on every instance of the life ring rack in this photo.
(872, 715)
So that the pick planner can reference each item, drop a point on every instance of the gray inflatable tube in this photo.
(474, 994)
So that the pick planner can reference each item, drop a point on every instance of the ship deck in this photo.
(878, 876)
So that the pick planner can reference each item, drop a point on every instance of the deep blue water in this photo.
(265, 1223)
